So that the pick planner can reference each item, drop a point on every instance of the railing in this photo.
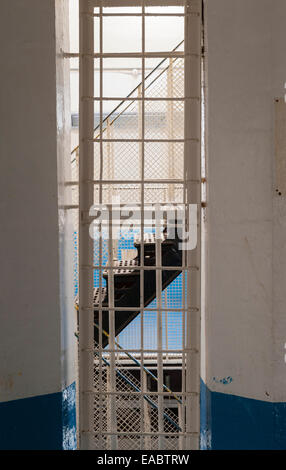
(136, 89)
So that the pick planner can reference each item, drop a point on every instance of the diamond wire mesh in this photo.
(128, 412)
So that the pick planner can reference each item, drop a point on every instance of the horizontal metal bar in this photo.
(136, 3)
(140, 309)
(134, 181)
(139, 140)
(76, 206)
(153, 351)
(176, 360)
(139, 433)
(147, 181)
(91, 219)
(116, 69)
(144, 181)
(151, 98)
(126, 55)
(143, 268)
(98, 15)
(68, 206)
(138, 394)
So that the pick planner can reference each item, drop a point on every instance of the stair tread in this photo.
(123, 267)
(96, 295)
(149, 238)
(127, 290)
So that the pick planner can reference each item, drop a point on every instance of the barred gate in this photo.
(147, 150)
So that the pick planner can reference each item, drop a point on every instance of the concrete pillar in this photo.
(244, 374)
(37, 343)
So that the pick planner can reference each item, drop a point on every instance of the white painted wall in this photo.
(32, 300)
(65, 217)
(246, 219)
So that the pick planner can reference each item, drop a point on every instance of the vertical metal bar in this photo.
(108, 408)
(159, 325)
(183, 406)
(111, 338)
(101, 414)
(142, 374)
(86, 168)
(112, 399)
(170, 124)
(108, 158)
(166, 322)
(110, 165)
(146, 414)
(112, 144)
(147, 441)
(181, 425)
(193, 172)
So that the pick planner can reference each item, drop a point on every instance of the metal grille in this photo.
(128, 410)
(147, 151)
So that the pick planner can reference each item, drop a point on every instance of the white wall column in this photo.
(246, 226)
(36, 300)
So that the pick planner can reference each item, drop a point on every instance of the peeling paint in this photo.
(224, 381)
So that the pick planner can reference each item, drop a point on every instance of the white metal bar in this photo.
(193, 169)
(141, 131)
(175, 351)
(154, 433)
(158, 254)
(146, 414)
(111, 340)
(135, 393)
(141, 299)
(166, 321)
(170, 124)
(136, 3)
(85, 242)
(146, 268)
(148, 309)
(137, 181)
(96, 15)
(124, 55)
(145, 140)
(101, 417)
(111, 316)
(138, 98)
(108, 151)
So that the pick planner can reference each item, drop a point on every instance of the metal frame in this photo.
(188, 437)
(86, 165)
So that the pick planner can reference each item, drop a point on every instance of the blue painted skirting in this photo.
(230, 422)
(45, 422)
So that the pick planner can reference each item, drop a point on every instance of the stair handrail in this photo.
(131, 93)
(148, 372)
(148, 399)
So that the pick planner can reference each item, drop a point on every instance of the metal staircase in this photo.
(127, 281)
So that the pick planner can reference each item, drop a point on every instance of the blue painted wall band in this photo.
(45, 422)
(230, 422)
